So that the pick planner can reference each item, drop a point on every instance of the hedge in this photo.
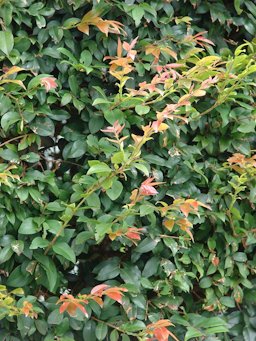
(127, 170)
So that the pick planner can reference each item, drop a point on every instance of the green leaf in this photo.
(17, 246)
(101, 101)
(192, 333)
(74, 149)
(240, 257)
(86, 58)
(113, 115)
(118, 157)
(9, 155)
(216, 330)
(134, 326)
(228, 301)
(89, 331)
(28, 226)
(66, 98)
(55, 206)
(74, 86)
(9, 118)
(142, 109)
(137, 14)
(93, 201)
(146, 245)
(109, 270)
(18, 291)
(6, 42)
(39, 242)
(64, 250)
(84, 236)
(30, 157)
(248, 127)
(171, 244)
(50, 269)
(115, 191)
(18, 278)
(5, 254)
(142, 168)
(41, 326)
(55, 317)
(151, 267)
(114, 336)
(237, 4)
(101, 331)
(205, 282)
(146, 209)
(101, 230)
(43, 126)
(99, 167)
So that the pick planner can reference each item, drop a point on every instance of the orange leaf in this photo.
(189, 233)
(27, 308)
(71, 304)
(115, 293)
(162, 334)
(169, 224)
(114, 235)
(98, 300)
(133, 233)
(106, 26)
(11, 71)
(185, 209)
(119, 48)
(83, 27)
(159, 324)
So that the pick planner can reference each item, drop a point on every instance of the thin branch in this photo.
(12, 139)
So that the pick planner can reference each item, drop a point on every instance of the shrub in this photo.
(128, 172)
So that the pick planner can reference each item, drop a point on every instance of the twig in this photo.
(12, 139)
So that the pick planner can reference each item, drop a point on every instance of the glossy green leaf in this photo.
(115, 191)
(64, 250)
(6, 42)
(28, 226)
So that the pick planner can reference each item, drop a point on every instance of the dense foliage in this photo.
(127, 170)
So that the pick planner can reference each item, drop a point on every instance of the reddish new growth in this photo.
(119, 65)
(148, 187)
(159, 331)
(242, 164)
(70, 304)
(49, 83)
(106, 26)
(132, 233)
(27, 310)
(241, 160)
(116, 129)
